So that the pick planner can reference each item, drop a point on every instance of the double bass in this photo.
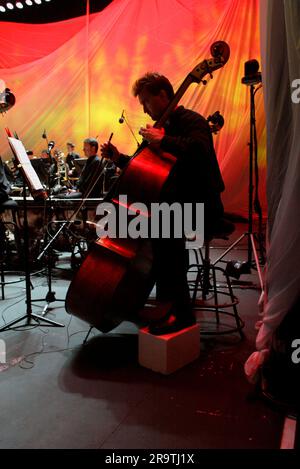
(117, 276)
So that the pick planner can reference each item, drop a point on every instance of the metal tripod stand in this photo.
(252, 204)
(50, 296)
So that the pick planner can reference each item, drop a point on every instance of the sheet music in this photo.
(23, 159)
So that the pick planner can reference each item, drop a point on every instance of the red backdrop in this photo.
(73, 78)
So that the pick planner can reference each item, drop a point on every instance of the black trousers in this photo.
(170, 260)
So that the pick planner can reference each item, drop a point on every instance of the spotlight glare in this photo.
(38, 2)
(28, 2)
(19, 5)
(2, 9)
(10, 6)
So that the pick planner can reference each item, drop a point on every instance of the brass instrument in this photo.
(62, 168)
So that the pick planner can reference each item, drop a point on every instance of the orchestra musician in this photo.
(91, 168)
(71, 156)
(88, 177)
(187, 136)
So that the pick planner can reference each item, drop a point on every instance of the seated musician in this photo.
(91, 170)
(71, 156)
(187, 136)
(89, 184)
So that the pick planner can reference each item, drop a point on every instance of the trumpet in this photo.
(62, 167)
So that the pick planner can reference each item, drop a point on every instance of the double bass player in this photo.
(196, 178)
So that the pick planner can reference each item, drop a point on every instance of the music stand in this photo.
(79, 164)
(31, 179)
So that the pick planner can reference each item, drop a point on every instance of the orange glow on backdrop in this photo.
(74, 78)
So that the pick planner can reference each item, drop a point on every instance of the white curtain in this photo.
(280, 47)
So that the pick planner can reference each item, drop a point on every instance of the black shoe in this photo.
(171, 324)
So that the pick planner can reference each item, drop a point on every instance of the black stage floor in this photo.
(56, 393)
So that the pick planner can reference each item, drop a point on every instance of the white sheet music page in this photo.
(23, 159)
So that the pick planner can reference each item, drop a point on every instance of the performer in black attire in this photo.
(91, 168)
(196, 178)
(71, 156)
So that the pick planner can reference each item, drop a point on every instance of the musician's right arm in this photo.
(109, 151)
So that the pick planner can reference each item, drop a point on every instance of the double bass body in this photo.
(116, 278)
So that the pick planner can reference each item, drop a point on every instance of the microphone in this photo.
(7, 100)
(51, 145)
(121, 120)
(216, 121)
(44, 134)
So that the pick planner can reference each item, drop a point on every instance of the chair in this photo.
(206, 283)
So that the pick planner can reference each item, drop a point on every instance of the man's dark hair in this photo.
(93, 142)
(154, 83)
(71, 144)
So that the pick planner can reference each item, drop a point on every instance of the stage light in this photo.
(28, 2)
(38, 2)
(2, 9)
(19, 5)
(10, 6)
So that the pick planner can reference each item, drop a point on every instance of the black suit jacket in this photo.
(91, 169)
(196, 176)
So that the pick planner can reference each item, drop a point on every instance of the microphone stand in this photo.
(250, 235)
(122, 119)
(68, 222)
(50, 296)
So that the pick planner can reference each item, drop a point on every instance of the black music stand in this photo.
(29, 316)
(50, 295)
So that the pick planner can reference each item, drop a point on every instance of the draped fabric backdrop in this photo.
(281, 66)
(74, 78)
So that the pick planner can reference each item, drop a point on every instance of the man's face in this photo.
(89, 150)
(153, 105)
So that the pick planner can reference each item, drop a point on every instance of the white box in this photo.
(170, 352)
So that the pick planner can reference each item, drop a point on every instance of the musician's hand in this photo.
(152, 134)
(109, 151)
